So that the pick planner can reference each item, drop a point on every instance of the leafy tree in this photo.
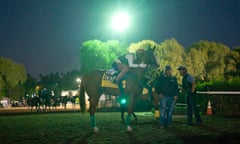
(170, 52)
(211, 59)
(144, 44)
(57, 82)
(18, 92)
(30, 85)
(51, 82)
(69, 79)
(11, 74)
(95, 54)
(232, 62)
(237, 49)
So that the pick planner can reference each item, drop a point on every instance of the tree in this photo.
(11, 74)
(232, 62)
(69, 80)
(30, 85)
(211, 59)
(95, 54)
(170, 52)
(144, 44)
(237, 49)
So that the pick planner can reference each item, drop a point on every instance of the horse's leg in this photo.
(93, 105)
(122, 113)
(128, 119)
(130, 111)
(31, 107)
(135, 117)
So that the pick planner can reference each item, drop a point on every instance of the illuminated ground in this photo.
(73, 128)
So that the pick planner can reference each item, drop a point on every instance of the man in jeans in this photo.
(188, 88)
(167, 88)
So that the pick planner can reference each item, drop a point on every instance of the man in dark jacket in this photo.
(188, 88)
(167, 88)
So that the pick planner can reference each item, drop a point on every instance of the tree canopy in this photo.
(210, 60)
(11, 74)
(204, 59)
(95, 54)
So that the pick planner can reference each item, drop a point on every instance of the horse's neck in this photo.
(137, 73)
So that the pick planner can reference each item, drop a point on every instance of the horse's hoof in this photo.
(129, 129)
(95, 129)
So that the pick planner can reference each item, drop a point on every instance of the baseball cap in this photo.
(168, 68)
(181, 68)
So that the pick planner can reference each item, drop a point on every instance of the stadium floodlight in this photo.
(120, 21)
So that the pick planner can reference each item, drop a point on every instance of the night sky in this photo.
(46, 35)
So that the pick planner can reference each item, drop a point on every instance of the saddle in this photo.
(108, 79)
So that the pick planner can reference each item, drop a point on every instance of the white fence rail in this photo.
(219, 92)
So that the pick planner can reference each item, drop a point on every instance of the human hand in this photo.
(142, 65)
(175, 97)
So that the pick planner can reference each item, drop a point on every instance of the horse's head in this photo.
(147, 57)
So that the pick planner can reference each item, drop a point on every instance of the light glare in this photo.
(120, 21)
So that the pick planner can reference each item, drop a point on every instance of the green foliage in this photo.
(49, 81)
(210, 60)
(30, 85)
(237, 49)
(17, 92)
(58, 82)
(95, 54)
(69, 80)
(144, 44)
(170, 52)
(220, 83)
(11, 74)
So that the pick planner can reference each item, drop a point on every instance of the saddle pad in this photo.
(107, 81)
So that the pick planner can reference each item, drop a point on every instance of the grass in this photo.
(74, 128)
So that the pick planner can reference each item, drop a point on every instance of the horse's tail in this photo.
(82, 97)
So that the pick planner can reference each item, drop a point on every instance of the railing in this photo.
(223, 101)
(219, 92)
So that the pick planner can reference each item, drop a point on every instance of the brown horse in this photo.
(135, 81)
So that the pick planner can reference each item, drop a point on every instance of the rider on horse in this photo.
(125, 62)
(123, 65)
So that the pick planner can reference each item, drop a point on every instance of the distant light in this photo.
(78, 80)
(120, 21)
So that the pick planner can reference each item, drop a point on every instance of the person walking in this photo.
(167, 88)
(188, 88)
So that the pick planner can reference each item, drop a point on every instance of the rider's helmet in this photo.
(139, 51)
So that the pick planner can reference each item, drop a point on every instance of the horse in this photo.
(34, 101)
(64, 100)
(45, 97)
(135, 79)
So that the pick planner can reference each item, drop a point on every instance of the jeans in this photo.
(192, 107)
(167, 104)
